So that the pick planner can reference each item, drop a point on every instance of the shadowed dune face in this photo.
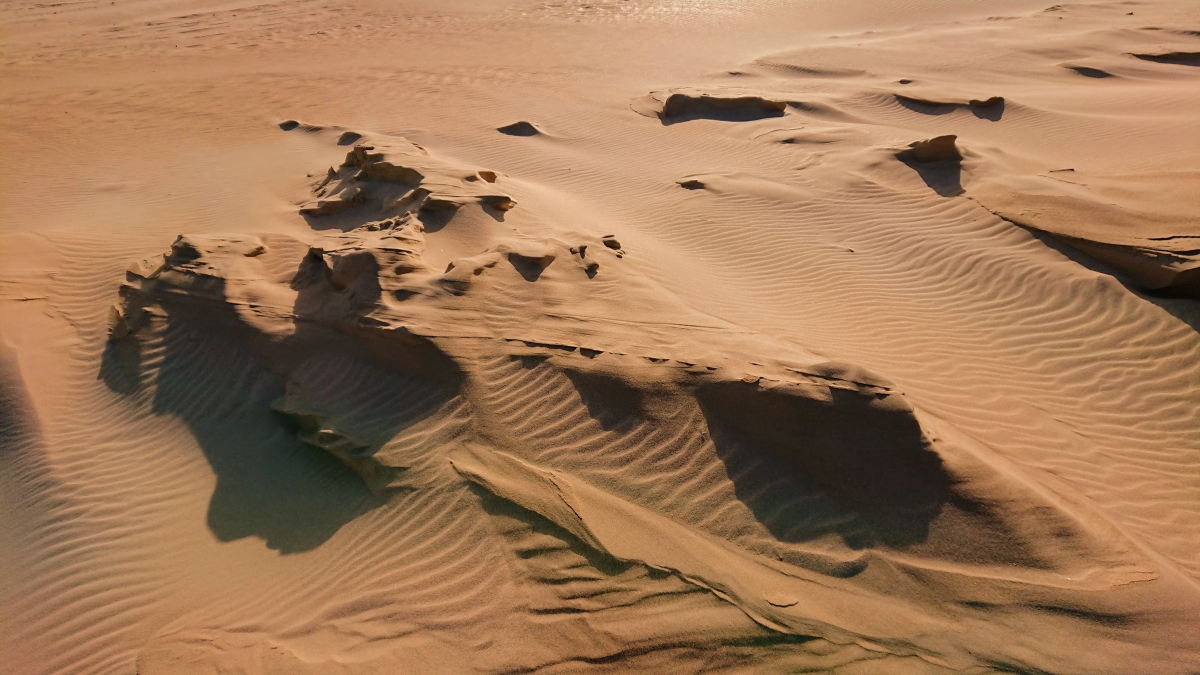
(683, 108)
(521, 128)
(270, 485)
(1086, 71)
(1174, 58)
(991, 108)
(868, 452)
(687, 106)
(938, 162)
(613, 403)
(276, 479)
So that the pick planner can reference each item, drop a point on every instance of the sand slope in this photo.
(403, 338)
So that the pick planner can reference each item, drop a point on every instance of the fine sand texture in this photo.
(350, 337)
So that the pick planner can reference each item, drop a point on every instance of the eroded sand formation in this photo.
(917, 541)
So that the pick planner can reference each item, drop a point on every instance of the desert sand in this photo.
(346, 337)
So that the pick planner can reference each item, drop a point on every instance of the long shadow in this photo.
(269, 484)
(795, 509)
(436, 221)
(681, 108)
(18, 421)
(807, 463)
(855, 465)
(216, 377)
(1173, 58)
(121, 366)
(350, 219)
(943, 176)
(357, 216)
(350, 289)
(1093, 73)
(925, 107)
(991, 109)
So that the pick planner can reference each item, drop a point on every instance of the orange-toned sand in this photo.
(353, 337)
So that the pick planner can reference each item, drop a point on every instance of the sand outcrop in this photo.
(932, 150)
(396, 175)
(895, 491)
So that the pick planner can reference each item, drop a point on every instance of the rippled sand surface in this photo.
(352, 337)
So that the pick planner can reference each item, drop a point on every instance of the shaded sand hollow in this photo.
(621, 336)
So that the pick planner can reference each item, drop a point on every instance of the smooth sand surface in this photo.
(352, 337)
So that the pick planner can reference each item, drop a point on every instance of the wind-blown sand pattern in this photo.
(618, 336)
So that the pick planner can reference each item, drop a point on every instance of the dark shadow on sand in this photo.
(269, 484)
(991, 109)
(806, 467)
(943, 176)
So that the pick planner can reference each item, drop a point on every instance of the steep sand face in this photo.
(600, 337)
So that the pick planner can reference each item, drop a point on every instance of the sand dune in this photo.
(1140, 222)
(615, 336)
